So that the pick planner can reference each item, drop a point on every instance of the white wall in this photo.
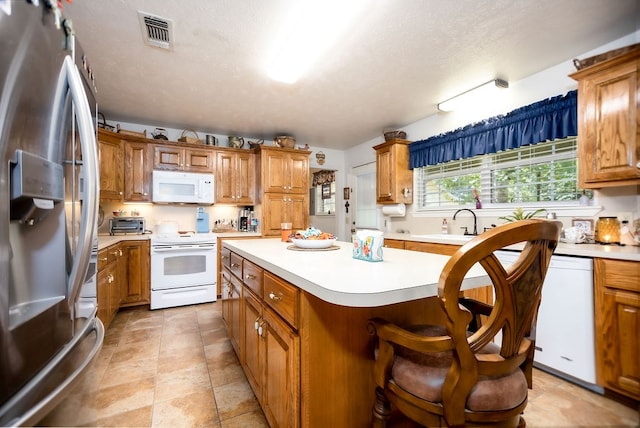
(547, 83)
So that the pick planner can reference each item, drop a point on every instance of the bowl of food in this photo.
(119, 213)
(314, 244)
(313, 238)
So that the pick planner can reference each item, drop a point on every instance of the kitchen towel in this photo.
(367, 245)
(394, 210)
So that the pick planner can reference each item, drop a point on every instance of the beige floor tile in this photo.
(180, 358)
(178, 383)
(176, 368)
(213, 335)
(224, 375)
(120, 372)
(184, 340)
(253, 419)
(192, 410)
(142, 335)
(112, 400)
(133, 418)
(234, 399)
(137, 351)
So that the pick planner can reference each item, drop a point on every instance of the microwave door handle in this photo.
(90, 168)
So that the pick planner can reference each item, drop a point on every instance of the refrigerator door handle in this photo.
(90, 167)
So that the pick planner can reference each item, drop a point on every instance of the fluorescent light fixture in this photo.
(474, 96)
(311, 29)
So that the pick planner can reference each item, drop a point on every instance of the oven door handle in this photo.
(183, 248)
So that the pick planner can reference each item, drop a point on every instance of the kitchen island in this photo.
(298, 321)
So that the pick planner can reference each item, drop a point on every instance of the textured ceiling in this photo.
(395, 64)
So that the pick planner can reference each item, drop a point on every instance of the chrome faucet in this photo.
(475, 221)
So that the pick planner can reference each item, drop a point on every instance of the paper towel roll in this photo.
(395, 210)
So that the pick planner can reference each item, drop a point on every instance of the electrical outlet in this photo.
(625, 216)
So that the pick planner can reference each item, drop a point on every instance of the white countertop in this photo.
(627, 252)
(105, 241)
(336, 277)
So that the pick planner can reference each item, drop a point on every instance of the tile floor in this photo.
(176, 368)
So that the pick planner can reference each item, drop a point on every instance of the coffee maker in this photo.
(244, 219)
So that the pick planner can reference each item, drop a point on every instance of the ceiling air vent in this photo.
(156, 31)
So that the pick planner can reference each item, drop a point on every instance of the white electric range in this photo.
(183, 269)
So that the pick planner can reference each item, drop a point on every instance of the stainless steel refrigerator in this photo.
(49, 332)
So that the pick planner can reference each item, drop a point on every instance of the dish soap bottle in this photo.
(445, 227)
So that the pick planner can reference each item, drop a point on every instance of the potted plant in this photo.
(519, 214)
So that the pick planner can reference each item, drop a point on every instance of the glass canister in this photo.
(608, 230)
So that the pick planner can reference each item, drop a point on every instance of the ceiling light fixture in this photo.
(473, 96)
(311, 29)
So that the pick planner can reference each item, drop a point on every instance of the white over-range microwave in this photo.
(183, 187)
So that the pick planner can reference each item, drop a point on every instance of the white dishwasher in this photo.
(565, 329)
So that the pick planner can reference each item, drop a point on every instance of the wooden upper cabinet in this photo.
(608, 122)
(137, 171)
(235, 177)
(285, 170)
(177, 158)
(394, 179)
(284, 208)
(111, 167)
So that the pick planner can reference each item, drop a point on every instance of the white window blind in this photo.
(544, 172)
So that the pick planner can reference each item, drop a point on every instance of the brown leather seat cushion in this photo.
(423, 376)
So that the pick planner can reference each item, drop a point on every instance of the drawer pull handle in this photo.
(630, 310)
(235, 265)
(256, 324)
(250, 276)
(565, 358)
(104, 259)
(275, 298)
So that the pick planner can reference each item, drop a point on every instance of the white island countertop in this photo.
(336, 277)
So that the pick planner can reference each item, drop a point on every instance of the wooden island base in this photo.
(300, 329)
(336, 361)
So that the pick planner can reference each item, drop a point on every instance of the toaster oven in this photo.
(126, 225)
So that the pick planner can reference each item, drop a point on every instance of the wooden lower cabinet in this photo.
(267, 345)
(280, 372)
(231, 310)
(617, 318)
(309, 362)
(123, 278)
(108, 283)
(135, 286)
(253, 326)
(394, 243)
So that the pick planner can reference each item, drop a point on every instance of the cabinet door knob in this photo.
(638, 165)
(275, 298)
(249, 276)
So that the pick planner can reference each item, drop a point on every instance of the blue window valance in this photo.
(544, 120)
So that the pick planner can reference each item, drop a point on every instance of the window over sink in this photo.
(541, 173)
